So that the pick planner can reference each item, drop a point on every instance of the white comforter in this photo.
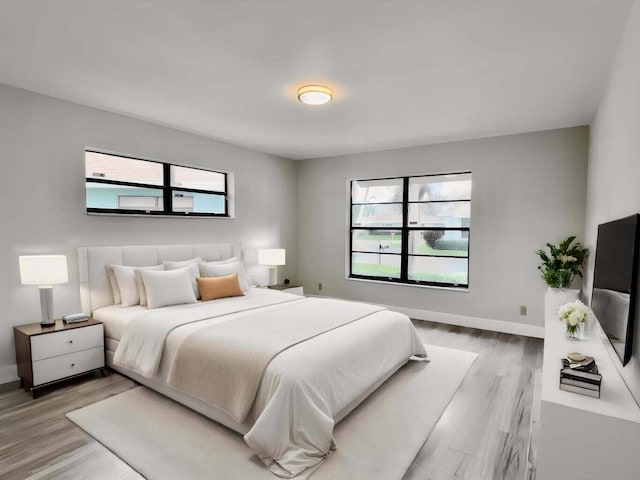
(319, 380)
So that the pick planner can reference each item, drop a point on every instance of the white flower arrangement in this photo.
(574, 314)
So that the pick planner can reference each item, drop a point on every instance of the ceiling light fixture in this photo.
(314, 94)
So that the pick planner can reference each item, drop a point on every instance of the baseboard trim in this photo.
(7, 387)
(8, 374)
(514, 328)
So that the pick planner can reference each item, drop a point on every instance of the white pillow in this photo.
(170, 265)
(169, 287)
(221, 270)
(217, 262)
(194, 270)
(142, 293)
(126, 280)
(117, 298)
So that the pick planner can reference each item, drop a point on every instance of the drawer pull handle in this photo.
(70, 341)
(73, 364)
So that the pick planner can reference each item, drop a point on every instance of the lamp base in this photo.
(46, 306)
(273, 275)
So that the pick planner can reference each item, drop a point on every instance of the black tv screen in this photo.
(614, 282)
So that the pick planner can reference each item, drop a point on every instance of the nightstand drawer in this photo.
(67, 341)
(51, 369)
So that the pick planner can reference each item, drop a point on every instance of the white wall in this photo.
(528, 189)
(613, 189)
(42, 196)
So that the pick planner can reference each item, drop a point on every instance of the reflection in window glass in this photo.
(377, 191)
(440, 187)
(100, 195)
(439, 270)
(122, 169)
(380, 241)
(198, 179)
(441, 214)
(376, 265)
(192, 202)
(373, 215)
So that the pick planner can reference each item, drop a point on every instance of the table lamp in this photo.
(44, 271)
(271, 257)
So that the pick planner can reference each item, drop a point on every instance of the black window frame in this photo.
(166, 188)
(405, 229)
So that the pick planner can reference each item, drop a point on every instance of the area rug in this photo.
(162, 439)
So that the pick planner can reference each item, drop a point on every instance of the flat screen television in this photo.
(613, 299)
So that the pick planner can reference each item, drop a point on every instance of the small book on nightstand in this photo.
(75, 318)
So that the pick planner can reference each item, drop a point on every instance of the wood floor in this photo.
(488, 432)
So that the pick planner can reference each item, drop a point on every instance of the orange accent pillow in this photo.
(219, 287)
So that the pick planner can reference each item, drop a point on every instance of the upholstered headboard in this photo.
(95, 291)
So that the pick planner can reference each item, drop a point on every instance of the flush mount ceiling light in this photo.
(314, 94)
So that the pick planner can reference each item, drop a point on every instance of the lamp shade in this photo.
(271, 256)
(43, 270)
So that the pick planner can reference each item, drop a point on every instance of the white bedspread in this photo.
(141, 346)
(320, 380)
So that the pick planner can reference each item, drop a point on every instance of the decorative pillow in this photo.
(217, 262)
(117, 298)
(219, 287)
(142, 293)
(221, 270)
(126, 279)
(194, 270)
(169, 287)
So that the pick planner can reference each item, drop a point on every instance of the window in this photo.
(412, 230)
(125, 185)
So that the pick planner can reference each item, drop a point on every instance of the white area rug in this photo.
(161, 439)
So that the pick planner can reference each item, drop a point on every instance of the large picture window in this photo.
(132, 186)
(412, 230)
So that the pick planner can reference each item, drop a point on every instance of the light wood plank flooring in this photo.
(489, 429)
(487, 432)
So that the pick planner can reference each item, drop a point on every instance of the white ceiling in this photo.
(404, 72)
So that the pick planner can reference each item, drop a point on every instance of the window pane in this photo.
(375, 265)
(122, 169)
(447, 214)
(379, 241)
(198, 202)
(376, 191)
(439, 270)
(198, 179)
(385, 215)
(101, 195)
(439, 242)
(440, 187)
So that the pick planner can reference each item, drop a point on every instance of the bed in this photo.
(303, 391)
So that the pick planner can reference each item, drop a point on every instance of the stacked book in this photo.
(580, 376)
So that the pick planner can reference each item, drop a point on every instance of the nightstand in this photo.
(47, 355)
(295, 289)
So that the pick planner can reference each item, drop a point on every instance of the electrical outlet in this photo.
(320, 286)
(523, 310)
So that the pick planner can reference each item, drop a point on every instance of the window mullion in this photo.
(166, 188)
(404, 250)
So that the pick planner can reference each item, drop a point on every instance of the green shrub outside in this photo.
(452, 244)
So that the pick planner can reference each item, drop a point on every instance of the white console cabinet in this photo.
(581, 437)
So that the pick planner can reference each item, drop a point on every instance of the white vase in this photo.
(554, 298)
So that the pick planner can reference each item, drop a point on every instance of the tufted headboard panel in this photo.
(95, 291)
